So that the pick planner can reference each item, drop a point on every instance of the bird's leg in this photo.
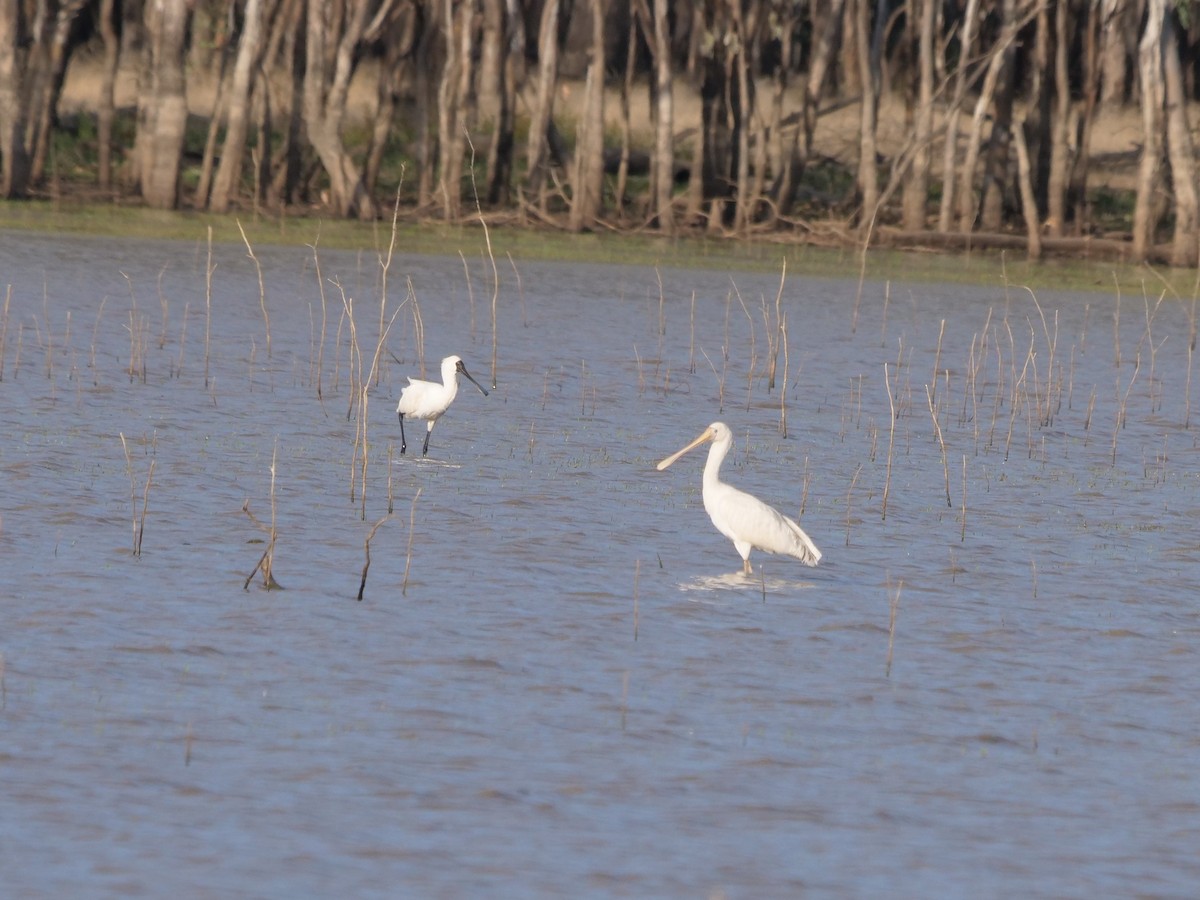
(747, 569)
(425, 449)
(403, 443)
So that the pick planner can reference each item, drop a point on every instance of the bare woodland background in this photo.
(964, 121)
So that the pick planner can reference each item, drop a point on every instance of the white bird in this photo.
(428, 400)
(742, 518)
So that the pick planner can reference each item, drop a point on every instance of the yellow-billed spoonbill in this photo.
(742, 518)
(428, 400)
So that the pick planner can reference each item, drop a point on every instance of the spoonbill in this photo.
(428, 400)
(742, 518)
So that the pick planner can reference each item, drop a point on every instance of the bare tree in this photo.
(330, 59)
(587, 185)
(916, 186)
(14, 154)
(1180, 151)
(162, 104)
(541, 116)
(1149, 166)
(662, 163)
(250, 43)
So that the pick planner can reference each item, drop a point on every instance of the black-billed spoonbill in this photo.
(742, 518)
(428, 400)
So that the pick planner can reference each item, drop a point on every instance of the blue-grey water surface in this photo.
(577, 693)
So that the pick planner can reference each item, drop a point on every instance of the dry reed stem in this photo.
(637, 573)
(412, 520)
(385, 265)
(520, 293)
(893, 610)
(163, 304)
(780, 330)
(691, 344)
(418, 327)
(753, 352)
(209, 268)
(963, 534)
(720, 380)
(364, 406)
(362, 585)
(783, 390)
(937, 358)
(182, 340)
(4, 329)
(266, 561)
(487, 240)
(262, 289)
(887, 296)
(320, 361)
(941, 442)
(850, 491)
(1117, 324)
(887, 481)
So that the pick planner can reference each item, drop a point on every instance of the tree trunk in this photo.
(1060, 128)
(743, 106)
(1151, 76)
(662, 166)
(106, 110)
(967, 208)
(455, 103)
(14, 160)
(1180, 152)
(998, 157)
(868, 173)
(55, 61)
(950, 147)
(229, 171)
(163, 104)
(537, 155)
(325, 101)
(506, 20)
(587, 186)
(916, 187)
(1029, 209)
(398, 36)
(1116, 29)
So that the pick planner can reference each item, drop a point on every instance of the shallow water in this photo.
(567, 688)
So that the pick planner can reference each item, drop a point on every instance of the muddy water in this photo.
(558, 683)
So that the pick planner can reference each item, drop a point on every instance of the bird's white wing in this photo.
(743, 517)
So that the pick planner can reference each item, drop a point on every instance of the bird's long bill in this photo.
(707, 435)
(463, 369)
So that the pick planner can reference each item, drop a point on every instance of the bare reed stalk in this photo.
(470, 289)
(937, 358)
(520, 293)
(266, 561)
(1117, 324)
(641, 377)
(418, 326)
(4, 330)
(385, 264)
(95, 333)
(363, 407)
(182, 340)
(320, 361)
(941, 443)
(1149, 339)
(887, 481)
(662, 314)
(362, 585)
(412, 521)
(773, 344)
(963, 535)
(354, 359)
(1122, 402)
(1046, 415)
(720, 380)
(487, 240)
(806, 483)
(49, 342)
(753, 352)
(262, 289)
(139, 521)
(783, 390)
(163, 304)
(637, 573)
(893, 609)
(691, 345)
(209, 267)
(887, 295)
(1033, 569)
(849, 492)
